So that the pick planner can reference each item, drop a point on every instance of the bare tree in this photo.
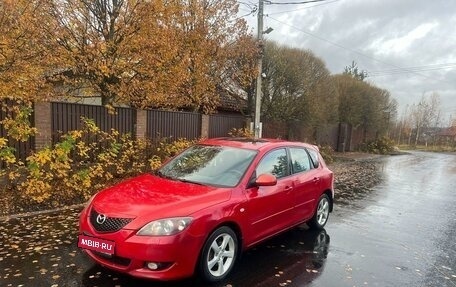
(425, 114)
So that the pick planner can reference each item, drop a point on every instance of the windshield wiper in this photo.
(189, 181)
(162, 175)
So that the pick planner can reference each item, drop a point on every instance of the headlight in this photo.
(167, 226)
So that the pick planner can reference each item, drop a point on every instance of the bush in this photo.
(381, 145)
(241, 132)
(17, 122)
(327, 153)
(81, 163)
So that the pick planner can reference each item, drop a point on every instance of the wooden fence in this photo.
(340, 136)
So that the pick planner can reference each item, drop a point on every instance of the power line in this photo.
(245, 15)
(424, 66)
(431, 67)
(250, 5)
(302, 8)
(293, 3)
(354, 51)
(245, 10)
(253, 9)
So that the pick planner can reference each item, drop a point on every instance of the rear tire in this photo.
(321, 214)
(219, 254)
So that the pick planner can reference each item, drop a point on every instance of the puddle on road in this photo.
(294, 258)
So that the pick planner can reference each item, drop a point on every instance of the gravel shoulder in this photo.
(354, 175)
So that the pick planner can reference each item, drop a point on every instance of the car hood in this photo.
(150, 197)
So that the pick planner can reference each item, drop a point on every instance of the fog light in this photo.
(157, 266)
(152, 265)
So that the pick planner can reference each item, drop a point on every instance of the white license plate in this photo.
(96, 244)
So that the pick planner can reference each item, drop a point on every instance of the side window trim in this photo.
(314, 164)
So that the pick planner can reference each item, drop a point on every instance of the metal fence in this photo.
(220, 125)
(167, 124)
(67, 117)
(22, 149)
(171, 125)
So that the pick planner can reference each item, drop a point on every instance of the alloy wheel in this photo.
(221, 255)
(323, 211)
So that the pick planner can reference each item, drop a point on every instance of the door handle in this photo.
(316, 179)
(288, 188)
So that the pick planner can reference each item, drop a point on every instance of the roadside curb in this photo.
(40, 212)
(353, 157)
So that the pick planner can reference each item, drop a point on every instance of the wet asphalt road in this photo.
(402, 233)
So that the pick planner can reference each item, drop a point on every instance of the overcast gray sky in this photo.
(407, 46)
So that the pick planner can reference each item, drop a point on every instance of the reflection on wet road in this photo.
(42, 251)
(401, 234)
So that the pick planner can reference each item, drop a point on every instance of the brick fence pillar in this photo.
(43, 116)
(205, 126)
(141, 124)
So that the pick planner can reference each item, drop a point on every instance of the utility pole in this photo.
(256, 127)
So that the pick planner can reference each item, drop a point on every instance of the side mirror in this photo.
(266, 179)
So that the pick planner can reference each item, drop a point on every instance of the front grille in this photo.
(110, 224)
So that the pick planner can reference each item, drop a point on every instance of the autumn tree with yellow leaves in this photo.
(214, 49)
(24, 54)
(23, 50)
(166, 54)
(171, 54)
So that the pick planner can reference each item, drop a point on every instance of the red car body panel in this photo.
(255, 213)
(167, 197)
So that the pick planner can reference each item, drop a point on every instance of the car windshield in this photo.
(209, 165)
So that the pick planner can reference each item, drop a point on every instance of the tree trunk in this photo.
(417, 135)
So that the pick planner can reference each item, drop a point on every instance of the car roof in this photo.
(254, 144)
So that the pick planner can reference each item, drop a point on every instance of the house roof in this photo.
(231, 102)
(451, 132)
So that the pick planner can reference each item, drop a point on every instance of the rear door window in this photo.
(300, 160)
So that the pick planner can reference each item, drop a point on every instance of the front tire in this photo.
(321, 214)
(219, 254)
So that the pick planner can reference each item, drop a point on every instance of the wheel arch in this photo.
(330, 193)
(235, 227)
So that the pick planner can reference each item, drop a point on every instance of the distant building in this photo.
(447, 135)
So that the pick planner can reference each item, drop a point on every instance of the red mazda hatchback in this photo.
(206, 205)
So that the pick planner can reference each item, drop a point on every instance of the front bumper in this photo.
(179, 253)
